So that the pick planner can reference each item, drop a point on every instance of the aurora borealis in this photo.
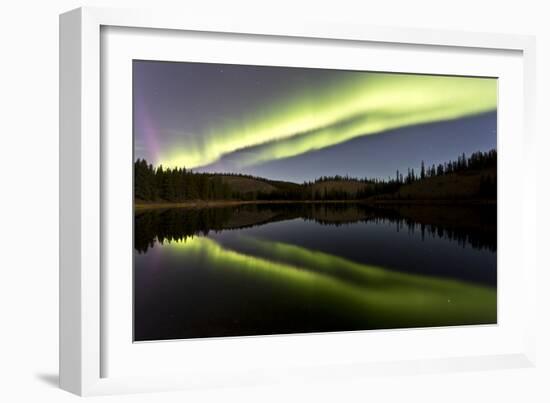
(256, 119)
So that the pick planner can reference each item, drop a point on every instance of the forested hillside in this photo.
(473, 177)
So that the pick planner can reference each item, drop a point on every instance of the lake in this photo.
(259, 269)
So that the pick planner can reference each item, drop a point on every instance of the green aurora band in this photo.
(314, 118)
(363, 292)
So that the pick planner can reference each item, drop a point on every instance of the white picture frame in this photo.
(83, 306)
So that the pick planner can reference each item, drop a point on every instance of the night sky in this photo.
(299, 124)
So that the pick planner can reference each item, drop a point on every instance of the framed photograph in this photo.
(248, 202)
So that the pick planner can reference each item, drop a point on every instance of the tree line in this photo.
(477, 161)
(179, 184)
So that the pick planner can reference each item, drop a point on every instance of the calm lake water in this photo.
(263, 269)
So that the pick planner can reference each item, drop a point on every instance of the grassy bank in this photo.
(141, 205)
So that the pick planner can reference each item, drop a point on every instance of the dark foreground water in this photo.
(295, 268)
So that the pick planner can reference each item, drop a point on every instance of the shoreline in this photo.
(226, 203)
(198, 204)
